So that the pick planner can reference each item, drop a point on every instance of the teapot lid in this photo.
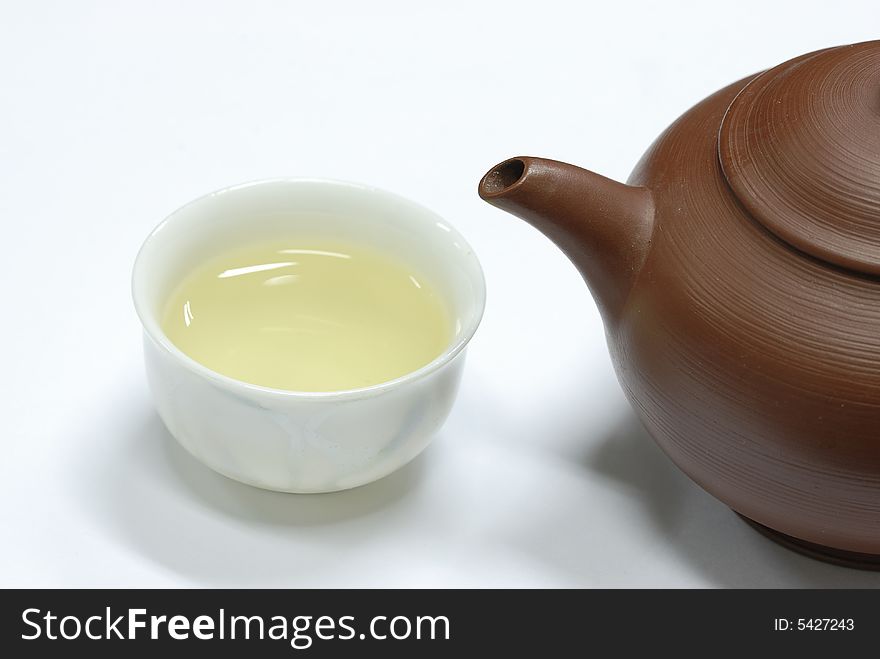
(800, 147)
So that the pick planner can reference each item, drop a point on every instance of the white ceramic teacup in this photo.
(301, 441)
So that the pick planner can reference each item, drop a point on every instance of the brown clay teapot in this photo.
(738, 276)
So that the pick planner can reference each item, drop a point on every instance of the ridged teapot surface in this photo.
(738, 276)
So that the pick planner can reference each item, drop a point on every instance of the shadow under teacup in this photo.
(300, 441)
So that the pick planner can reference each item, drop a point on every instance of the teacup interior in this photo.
(319, 210)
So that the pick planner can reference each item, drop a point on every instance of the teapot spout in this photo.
(603, 226)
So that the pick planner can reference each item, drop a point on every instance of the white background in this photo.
(113, 114)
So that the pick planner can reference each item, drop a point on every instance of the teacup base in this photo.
(851, 559)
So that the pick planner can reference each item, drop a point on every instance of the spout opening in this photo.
(502, 177)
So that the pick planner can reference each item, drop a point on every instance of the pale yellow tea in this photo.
(307, 316)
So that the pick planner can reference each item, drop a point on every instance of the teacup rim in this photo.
(152, 329)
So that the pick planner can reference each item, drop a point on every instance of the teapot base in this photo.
(841, 557)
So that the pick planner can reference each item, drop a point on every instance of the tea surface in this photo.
(307, 316)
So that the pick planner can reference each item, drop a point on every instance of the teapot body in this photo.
(755, 366)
